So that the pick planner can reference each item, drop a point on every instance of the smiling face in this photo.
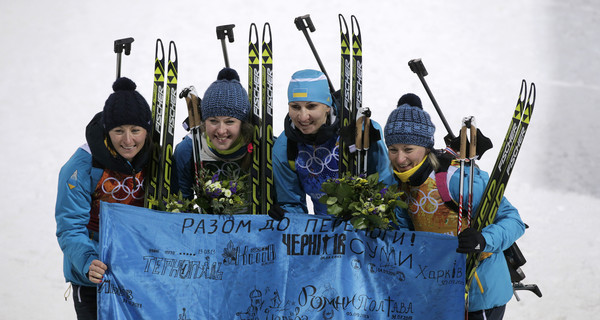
(308, 116)
(222, 131)
(128, 140)
(406, 156)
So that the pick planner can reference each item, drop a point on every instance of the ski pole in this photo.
(416, 65)
(462, 153)
(362, 141)
(472, 155)
(194, 120)
(120, 46)
(303, 23)
(222, 32)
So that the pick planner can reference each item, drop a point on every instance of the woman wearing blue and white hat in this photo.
(409, 136)
(226, 133)
(306, 155)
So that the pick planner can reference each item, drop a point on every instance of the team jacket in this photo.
(427, 212)
(91, 175)
(315, 164)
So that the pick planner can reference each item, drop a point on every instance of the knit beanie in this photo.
(126, 106)
(409, 124)
(309, 85)
(226, 97)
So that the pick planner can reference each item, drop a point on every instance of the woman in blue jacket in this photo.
(110, 168)
(409, 136)
(306, 155)
(226, 134)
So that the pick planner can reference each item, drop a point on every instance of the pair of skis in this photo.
(158, 181)
(260, 94)
(353, 157)
(494, 191)
(354, 118)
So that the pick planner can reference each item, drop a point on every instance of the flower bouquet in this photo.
(215, 195)
(366, 202)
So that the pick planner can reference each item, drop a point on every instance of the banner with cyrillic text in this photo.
(192, 266)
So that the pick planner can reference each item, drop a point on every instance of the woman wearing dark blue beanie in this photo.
(306, 154)
(427, 177)
(110, 167)
(226, 134)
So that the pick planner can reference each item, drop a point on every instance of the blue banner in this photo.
(190, 267)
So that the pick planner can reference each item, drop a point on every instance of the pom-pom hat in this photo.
(309, 85)
(226, 97)
(126, 106)
(409, 124)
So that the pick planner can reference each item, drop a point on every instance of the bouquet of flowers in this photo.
(215, 195)
(365, 202)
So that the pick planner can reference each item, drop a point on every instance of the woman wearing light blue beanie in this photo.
(306, 154)
(226, 134)
(425, 176)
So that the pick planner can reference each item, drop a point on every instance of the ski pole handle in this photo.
(473, 138)
(121, 45)
(222, 32)
(416, 65)
(302, 23)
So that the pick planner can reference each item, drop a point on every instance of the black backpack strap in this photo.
(292, 153)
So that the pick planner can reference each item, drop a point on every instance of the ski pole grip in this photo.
(304, 22)
(463, 142)
(225, 31)
(417, 66)
(222, 32)
(123, 45)
(473, 144)
(367, 134)
(300, 24)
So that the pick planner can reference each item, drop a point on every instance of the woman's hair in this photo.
(433, 159)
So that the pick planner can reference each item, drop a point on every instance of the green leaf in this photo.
(323, 199)
(334, 209)
(331, 200)
(373, 178)
(329, 187)
(345, 191)
(359, 223)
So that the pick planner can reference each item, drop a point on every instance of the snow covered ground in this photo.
(59, 65)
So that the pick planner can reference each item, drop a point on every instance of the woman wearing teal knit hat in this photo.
(427, 179)
(306, 154)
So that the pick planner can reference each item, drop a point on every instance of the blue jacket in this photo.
(507, 228)
(77, 183)
(292, 186)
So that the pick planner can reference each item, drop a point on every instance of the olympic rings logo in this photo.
(121, 190)
(423, 202)
(229, 170)
(320, 159)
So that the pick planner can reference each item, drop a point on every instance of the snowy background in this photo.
(58, 66)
